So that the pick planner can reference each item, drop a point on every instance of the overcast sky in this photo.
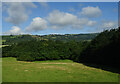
(58, 17)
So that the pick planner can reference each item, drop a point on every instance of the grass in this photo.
(0, 70)
(52, 71)
(3, 45)
(3, 40)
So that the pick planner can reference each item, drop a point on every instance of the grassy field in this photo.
(3, 45)
(52, 71)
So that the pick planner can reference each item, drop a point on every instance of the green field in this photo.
(52, 71)
(3, 45)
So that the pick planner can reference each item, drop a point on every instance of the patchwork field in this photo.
(52, 71)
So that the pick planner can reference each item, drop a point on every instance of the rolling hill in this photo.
(12, 39)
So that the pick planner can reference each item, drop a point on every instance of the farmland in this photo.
(35, 60)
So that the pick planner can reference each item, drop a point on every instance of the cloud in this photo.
(109, 24)
(14, 31)
(82, 22)
(91, 12)
(91, 23)
(17, 12)
(37, 24)
(61, 19)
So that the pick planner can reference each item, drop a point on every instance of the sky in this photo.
(41, 18)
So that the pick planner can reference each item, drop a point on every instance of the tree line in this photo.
(103, 49)
(37, 50)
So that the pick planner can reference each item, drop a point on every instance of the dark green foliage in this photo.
(14, 39)
(104, 49)
(44, 50)
(26, 56)
(7, 52)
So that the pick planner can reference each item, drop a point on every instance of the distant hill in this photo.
(68, 37)
(12, 39)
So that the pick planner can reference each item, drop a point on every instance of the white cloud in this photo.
(14, 31)
(91, 23)
(81, 22)
(17, 12)
(109, 24)
(59, 20)
(91, 12)
(36, 25)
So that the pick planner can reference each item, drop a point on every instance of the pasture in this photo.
(52, 71)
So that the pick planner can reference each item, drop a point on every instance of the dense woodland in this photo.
(44, 50)
(103, 49)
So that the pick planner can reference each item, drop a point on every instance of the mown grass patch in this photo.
(52, 71)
